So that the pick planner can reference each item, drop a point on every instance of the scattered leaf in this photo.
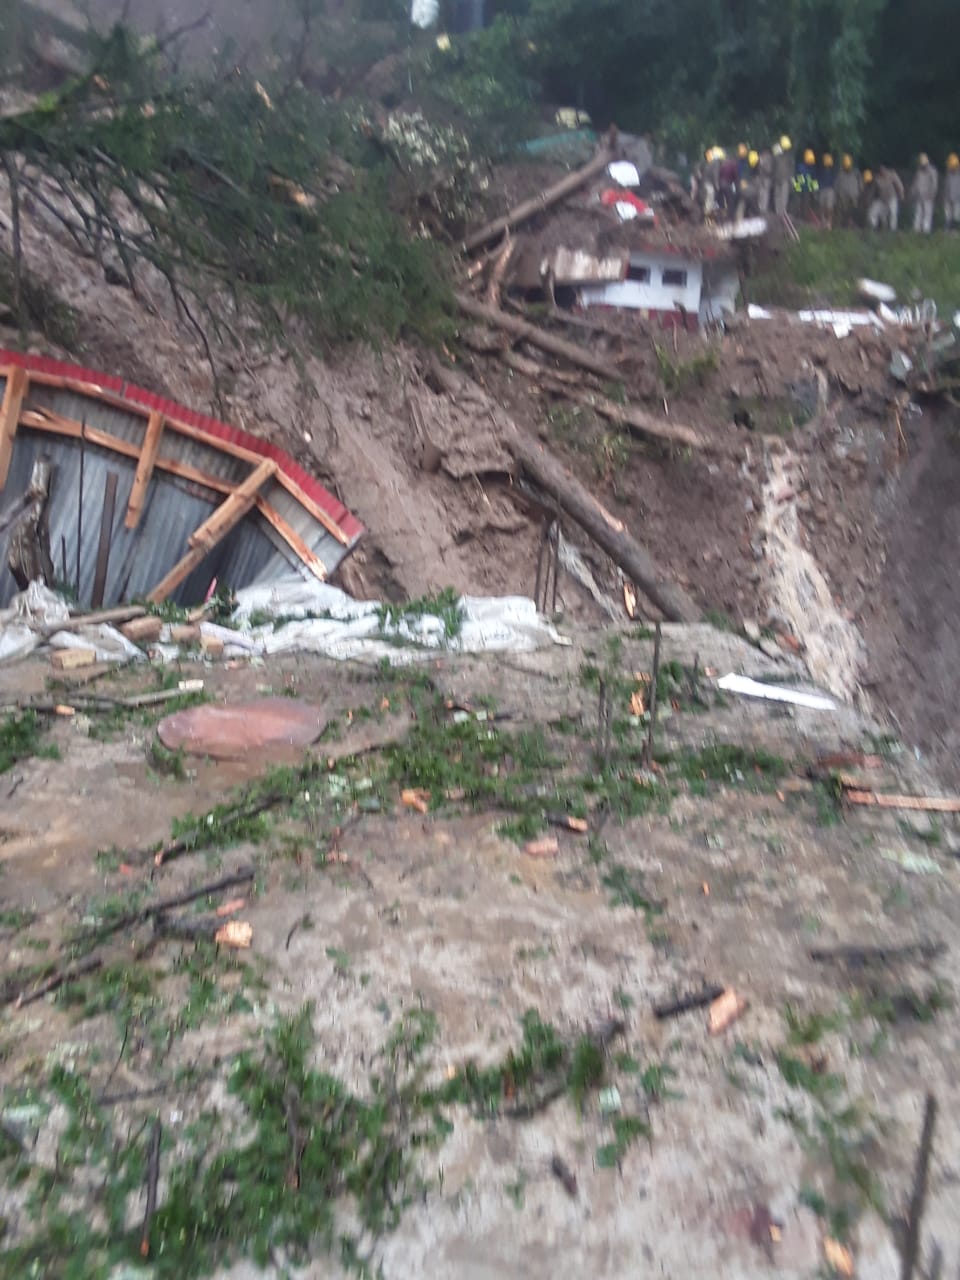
(838, 1256)
(547, 847)
(231, 907)
(725, 1010)
(416, 798)
(237, 934)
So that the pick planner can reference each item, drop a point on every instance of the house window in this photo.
(640, 274)
(674, 276)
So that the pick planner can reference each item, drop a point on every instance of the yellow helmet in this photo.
(867, 176)
(719, 153)
(953, 160)
(848, 163)
(827, 160)
(785, 143)
(743, 150)
(753, 159)
(809, 157)
(923, 159)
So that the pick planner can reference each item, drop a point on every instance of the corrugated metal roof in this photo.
(253, 552)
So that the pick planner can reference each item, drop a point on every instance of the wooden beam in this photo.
(214, 530)
(106, 534)
(292, 539)
(234, 509)
(921, 804)
(13, 395)
(56, 425)
(192, 433)
(145, 465)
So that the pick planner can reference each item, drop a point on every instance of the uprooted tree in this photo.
(246, 200)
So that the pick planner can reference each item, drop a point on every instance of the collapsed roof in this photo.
(149, 499)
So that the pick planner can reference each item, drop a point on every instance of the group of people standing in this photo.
(749, 182)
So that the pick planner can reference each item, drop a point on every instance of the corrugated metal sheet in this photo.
(139, 558)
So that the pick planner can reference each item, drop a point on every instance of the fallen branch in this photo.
(499, 271)
(153, 1179)
(922, 804)
(123, 613)
(168, 904)
(538, 203)
(911, 1244)
(609, 533)
(527, 332)
(684, 1004)
(56, 980)
(861, 957)
(637, 421)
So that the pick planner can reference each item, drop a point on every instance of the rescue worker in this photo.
(711, 180)
(749, 197)
(764, 181)
(728, 184)
(887, 196)
(828, 189)
(866, 197)
(743, 161)
(805, 183)
(923, 192)
(848, 190)
(784, 172)
(951, 192)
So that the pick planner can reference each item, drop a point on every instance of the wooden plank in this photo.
(292, 539)
(120, 613)
(106, 534)
(214, 530)
(14, 392)
(145, 465)
(69, 659)
(923, 804)
(57, 425)
(229, 513)
(192, 433)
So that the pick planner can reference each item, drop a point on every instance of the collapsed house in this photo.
(629, 242)
(116, 494)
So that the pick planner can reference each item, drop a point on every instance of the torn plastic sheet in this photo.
(107, 642)
(322, 619)
(22, 621)
(776, 693)
(624, 173)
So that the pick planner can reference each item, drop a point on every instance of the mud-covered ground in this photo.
(728, 1154)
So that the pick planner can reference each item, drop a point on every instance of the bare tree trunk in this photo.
(537, 337)
(29, 554)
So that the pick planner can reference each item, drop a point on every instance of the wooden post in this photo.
(106, 533)
(212, 531)
(14, 394)
(145, 464)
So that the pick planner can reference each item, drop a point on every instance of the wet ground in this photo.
(797, 1123)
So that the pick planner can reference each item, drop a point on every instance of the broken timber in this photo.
(13, 396)
(214, 530)
(609, 533)
(145, 465)
(922, 804)
(538, 203)
(527, 332)
(637, 422)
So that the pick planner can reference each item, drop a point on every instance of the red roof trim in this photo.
(349, 525)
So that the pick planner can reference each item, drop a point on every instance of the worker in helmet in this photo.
(727, 185)
(805, 183)
(784, 172)
(923, 192)
(849, 188)
(886, 196)
(713, 157)
(828, 189)
(951, 192)
(749, 193)
(743, 161)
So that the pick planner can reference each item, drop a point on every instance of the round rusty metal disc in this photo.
(241, 729)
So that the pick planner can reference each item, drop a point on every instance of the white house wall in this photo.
(652, 295)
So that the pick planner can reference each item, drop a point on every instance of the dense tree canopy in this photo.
(877, 77)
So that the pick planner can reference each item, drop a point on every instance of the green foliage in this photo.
(626, 1131)
(445, 605)
(20, 738)
(823, 269)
